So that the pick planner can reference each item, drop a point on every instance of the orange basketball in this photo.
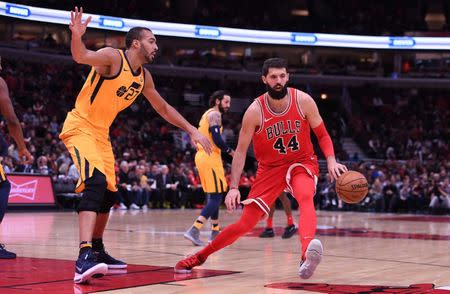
(352, 187)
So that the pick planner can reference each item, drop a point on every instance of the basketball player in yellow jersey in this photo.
(15, 131)
(116, 79)
(210, 166)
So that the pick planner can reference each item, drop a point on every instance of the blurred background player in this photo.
(210, 167)
(279, 123)
(116, 79)
(290, 229)
(15, 131)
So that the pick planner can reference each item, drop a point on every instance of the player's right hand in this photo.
(77, 26)
(233, 199)
(25, 156)
(199, 138)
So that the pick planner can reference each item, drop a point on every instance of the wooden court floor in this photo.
(363, 253)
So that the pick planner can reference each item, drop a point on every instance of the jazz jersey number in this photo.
(281, 147)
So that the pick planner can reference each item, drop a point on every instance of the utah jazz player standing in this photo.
(116, 79)
(15, 131)
(210, 166)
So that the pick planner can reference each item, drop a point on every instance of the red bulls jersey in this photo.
(283, 138)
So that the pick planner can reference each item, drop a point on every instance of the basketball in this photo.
(352, 187)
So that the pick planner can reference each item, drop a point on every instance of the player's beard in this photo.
(222, 109)
(277, 94)
(148, 57)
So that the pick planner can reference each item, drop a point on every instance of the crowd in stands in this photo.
(403, 124)
(154, 161)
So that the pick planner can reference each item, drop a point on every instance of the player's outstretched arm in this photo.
(14, 127)
(171, 115)
(250, 122)
(102, 57)
(326, 145)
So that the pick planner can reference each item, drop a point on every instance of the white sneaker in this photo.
(145, 207)
(123, 207)
(134, 206)
(313, 258)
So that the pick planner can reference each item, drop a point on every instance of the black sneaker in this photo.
(289, 231)
(267, 233)
(87, 267)
(111, 262)
(5, 254)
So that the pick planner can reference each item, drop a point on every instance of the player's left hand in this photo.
(335, 170)
(197, 137)
(233, 199)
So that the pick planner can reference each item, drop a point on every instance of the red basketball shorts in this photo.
(271, 181)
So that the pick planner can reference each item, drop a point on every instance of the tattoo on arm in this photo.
(215, 119)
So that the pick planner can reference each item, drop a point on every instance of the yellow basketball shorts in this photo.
(210, 170)
(88, 153)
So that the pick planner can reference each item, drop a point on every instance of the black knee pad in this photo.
(108, 201)
(94, 192)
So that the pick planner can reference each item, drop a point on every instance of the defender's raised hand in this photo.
(77, 26)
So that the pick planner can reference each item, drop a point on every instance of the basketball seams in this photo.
(352, 190)
(364, 179)
(339, 181)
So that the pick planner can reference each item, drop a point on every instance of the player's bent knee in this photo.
(94, 192)
(108, 201)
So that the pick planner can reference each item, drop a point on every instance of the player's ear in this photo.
(263, 78)
(136, 43)
(287, 77)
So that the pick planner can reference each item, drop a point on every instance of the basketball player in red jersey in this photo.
(279, 122)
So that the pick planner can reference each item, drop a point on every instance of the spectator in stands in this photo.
(62, 182)
(439, 197)
(403, 198)
(141, 189)
(124, 186)
(418, 198)
(42, 166)
(390, 191)
(165, 186)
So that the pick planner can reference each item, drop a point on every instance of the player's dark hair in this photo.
(219, 94)
(273, 63)
(134, 34)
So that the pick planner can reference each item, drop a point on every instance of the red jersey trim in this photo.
(261, 125)
(297, 103)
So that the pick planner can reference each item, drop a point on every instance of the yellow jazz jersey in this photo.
(210, 167)
(204, 129)
(102, 98)
(2, 174)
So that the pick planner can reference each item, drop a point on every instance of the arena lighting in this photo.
(109, 22)
(229, 34)
(300, 12)
(207, 32)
